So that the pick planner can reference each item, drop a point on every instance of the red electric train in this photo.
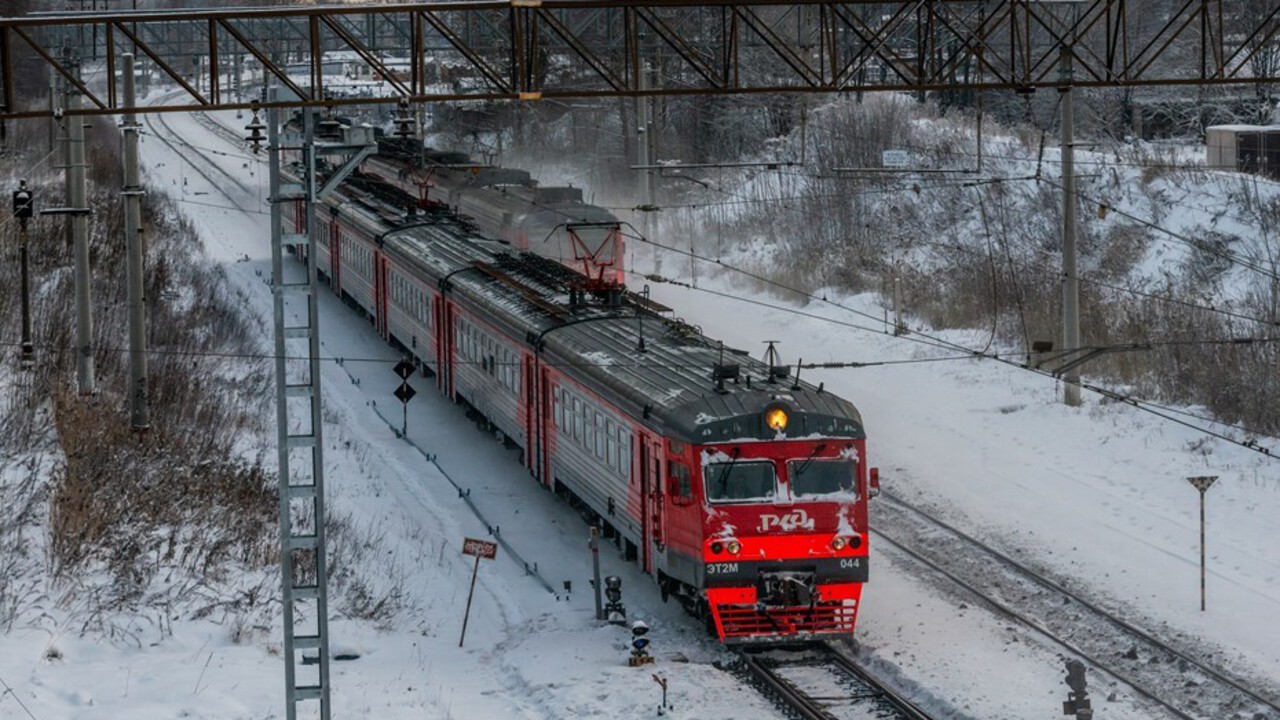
(741, 489)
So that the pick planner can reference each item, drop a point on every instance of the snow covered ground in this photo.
(1099, 493)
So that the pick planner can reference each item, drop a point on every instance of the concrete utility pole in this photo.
(53, 105)
(644, 147)
(139, 401)
(1070, 278)
(79, 224)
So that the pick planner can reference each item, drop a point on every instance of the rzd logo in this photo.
(794, 520)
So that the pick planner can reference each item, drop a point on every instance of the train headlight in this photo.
(840, 542)
(735, 547)
(776, 419)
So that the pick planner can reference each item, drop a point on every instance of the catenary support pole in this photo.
(53, 105)
(79, 222)
(24, 257)
(139, 400)
(1070, 278)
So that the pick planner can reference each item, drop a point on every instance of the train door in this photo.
(380, 277)
(448, 350)
(442, 333)
(650, 477)
(335, 259)
(546, 428)
(532, 411)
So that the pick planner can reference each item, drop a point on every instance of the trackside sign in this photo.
(480, 548)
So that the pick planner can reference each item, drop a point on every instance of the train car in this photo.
(506, 203)
(741, 490)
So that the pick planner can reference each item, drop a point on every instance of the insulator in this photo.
(255, 136)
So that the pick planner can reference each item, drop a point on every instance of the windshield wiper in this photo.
(724, 474)
(809, 460)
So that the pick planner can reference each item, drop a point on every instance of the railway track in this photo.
(1176, 678)
(217, 178)
(815, 682)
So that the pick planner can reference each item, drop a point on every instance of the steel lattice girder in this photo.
(533, 49)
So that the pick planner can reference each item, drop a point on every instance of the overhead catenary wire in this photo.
(926, 339)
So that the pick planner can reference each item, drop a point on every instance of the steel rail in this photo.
(183, 152)
(871, 690)
(1056, 637)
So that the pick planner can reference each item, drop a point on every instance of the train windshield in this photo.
(740, 482)
(810, 478)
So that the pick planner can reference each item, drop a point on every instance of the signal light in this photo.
(614, 611)
(776, 419)
(639, 645)
(717, 548)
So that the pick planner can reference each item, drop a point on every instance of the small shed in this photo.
(1247, 148)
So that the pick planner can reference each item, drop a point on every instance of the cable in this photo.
(1229, 257)
(1144, 405)
(1103, 284)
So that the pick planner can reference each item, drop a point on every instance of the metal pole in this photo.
(466, 615)
(594, 543)
(79, 222)
(139, 409)
(1202, 560)
(1070, 280)
(53, 105)
(642, 148)
(1202, 483)
(28, 352)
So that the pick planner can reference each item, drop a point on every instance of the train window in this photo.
(625, 449)
(611, 445)
(681, 483)
(577, 419)
(810, 478)
(738, 481)
(599, 436)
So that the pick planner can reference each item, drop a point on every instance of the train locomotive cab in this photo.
(783, 552)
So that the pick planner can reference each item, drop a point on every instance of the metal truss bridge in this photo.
(535, 49)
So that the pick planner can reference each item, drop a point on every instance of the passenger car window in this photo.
(741, 482)
(681, 482)
(811, 478)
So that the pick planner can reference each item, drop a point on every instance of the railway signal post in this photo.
(1078, 703)
(1202, 483)
(404, 394)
